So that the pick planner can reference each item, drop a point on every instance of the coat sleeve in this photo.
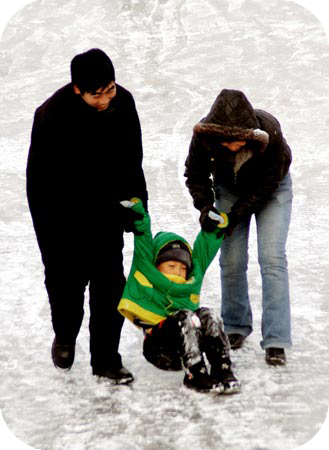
(41, 176)
(273, 166)
(205, 248)
(136, 178)
(198, 175)
(143, 243)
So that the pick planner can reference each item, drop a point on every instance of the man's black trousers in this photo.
(93, 259)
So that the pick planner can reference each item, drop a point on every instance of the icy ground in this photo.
(174, 56)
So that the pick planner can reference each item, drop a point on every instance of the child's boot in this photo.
(197, 378)
(223, 373)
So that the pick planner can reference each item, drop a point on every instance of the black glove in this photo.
(208, 224)
(128, 219)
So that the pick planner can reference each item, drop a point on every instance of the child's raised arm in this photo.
(143, 242)
(207, 243)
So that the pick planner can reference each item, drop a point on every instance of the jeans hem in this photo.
(232, 330)
(275, 343)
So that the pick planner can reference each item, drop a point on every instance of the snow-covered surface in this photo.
(174, 56)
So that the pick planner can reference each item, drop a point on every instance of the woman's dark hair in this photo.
(92, 70)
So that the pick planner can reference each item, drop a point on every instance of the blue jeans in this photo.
(272, 223)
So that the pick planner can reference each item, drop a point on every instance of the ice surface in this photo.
(174, 56)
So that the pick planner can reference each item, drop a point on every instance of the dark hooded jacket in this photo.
(81, 163)
(252, 174)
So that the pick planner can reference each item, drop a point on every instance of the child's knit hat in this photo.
(175, 251)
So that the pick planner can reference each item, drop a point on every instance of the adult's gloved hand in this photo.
(208, 224)
(129, 216)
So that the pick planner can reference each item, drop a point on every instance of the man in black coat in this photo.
(85, 157)
(239, 161)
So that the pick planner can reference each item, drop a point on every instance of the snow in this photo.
(174, 56)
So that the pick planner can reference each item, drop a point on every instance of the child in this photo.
(162, 297)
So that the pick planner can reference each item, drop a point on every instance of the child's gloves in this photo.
(228, 230)
(206, 222)
(129, 216)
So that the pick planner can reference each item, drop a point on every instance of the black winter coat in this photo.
(252, 176)
(81, 163)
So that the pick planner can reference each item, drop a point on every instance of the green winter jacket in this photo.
(149, 296)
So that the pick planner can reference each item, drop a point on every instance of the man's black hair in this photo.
(92, 70)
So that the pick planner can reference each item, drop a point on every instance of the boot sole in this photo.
(235, 389)
(115, 381)
(217, 390)
(275, 361)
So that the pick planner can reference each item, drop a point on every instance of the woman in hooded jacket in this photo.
(238, 162)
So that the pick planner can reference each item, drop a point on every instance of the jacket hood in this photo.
(231, 117)
(163, 238)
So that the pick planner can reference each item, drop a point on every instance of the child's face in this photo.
(173, 268)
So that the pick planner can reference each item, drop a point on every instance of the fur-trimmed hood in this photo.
(231, 117)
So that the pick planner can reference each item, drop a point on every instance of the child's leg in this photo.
(215, 345)
(176, 341)
(158, 348)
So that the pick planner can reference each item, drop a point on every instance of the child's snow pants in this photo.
(181, 340)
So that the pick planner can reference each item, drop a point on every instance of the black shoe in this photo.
(236, 340)
(118, 376)
(200, 381)
(62, 354)
(275, 356)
